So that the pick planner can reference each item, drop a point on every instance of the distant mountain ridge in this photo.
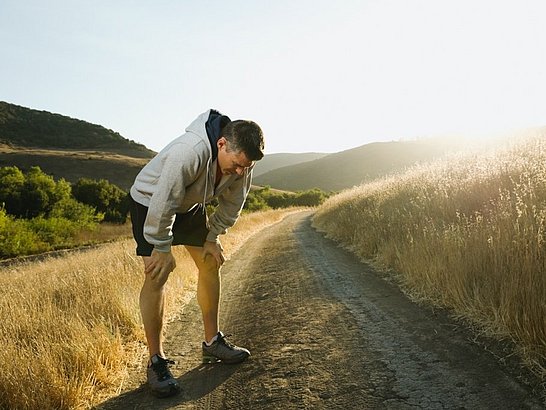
(26, 127)
(274, 161)
(351, 167)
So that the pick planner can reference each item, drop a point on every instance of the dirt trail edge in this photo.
(326, 332)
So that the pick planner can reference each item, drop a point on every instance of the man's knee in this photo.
(156, 284)
(209, 267)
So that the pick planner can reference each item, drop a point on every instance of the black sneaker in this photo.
(223, 351)
(160, 378)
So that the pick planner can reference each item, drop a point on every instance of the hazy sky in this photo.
(316, 75)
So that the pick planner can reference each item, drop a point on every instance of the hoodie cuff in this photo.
(212, 237)
(162, 248)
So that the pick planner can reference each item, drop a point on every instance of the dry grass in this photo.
(105, 232)
(71, 326)
(467, 233)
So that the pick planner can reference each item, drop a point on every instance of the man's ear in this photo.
(221, 142)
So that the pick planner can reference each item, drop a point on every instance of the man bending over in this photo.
(212, 159)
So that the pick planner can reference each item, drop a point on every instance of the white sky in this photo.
(316, 75)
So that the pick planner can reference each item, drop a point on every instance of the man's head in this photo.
(241, 144)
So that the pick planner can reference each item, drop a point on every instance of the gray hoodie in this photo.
(179, 177)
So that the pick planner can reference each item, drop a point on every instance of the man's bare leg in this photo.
(152, 307)
(157, 269)
(208, 290)
(208, 297)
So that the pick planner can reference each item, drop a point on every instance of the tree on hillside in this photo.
(37, 194)
(27, 127)
(311, 197)
(255, 202)
(40, 193)
(265, 198)
(12, 180)
(104, 197)
(31, 194)
(39, 214)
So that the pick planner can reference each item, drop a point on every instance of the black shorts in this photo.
(189, 228)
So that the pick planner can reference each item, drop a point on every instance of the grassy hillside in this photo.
(467, 233)
(348, 168)
(73, 165)
(25, 127)
(274, 161)
(66, 147)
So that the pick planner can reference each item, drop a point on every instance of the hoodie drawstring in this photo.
(206, 186)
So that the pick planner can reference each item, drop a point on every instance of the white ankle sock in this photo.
(212, 340)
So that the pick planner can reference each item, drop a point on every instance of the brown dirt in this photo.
(326, 332)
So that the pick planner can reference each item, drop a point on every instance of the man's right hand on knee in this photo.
(159, 265)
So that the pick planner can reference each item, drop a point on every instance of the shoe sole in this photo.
(210, 359)
(173, 391)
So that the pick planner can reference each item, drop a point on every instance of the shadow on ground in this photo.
(196, 384)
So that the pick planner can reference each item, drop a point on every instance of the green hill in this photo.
(26, 127)
(274, 161)
(345, 169)
(66, 147)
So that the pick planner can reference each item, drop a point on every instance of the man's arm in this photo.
(230, 204)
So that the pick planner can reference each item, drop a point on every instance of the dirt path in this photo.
(326, 332)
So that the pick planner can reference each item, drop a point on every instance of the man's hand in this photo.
(215, 250)
(159, 265)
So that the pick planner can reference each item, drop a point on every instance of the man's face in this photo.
(231, 162)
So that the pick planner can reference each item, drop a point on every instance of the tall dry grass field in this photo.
(71, 326)
(466, 232)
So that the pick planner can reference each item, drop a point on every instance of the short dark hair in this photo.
(245, 136)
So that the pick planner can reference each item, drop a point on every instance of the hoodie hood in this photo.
(214, 126)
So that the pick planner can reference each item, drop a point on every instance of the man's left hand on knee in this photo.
(215, 250)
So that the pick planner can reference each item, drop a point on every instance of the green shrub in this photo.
(40, 192)
(11, 185)
(17, 237)
(75, 211)
(56, 231)
(67, 218)
(38, 214)
(31, 194)
(265, 198)
(105, 197)
(278, 200)
(255, 202)
(312, 197)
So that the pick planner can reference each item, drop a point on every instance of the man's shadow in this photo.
(195, 384)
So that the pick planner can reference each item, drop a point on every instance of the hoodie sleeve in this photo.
(230, 204)
(180, 168)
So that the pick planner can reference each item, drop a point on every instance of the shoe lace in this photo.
(223, 339)
(161, 368)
